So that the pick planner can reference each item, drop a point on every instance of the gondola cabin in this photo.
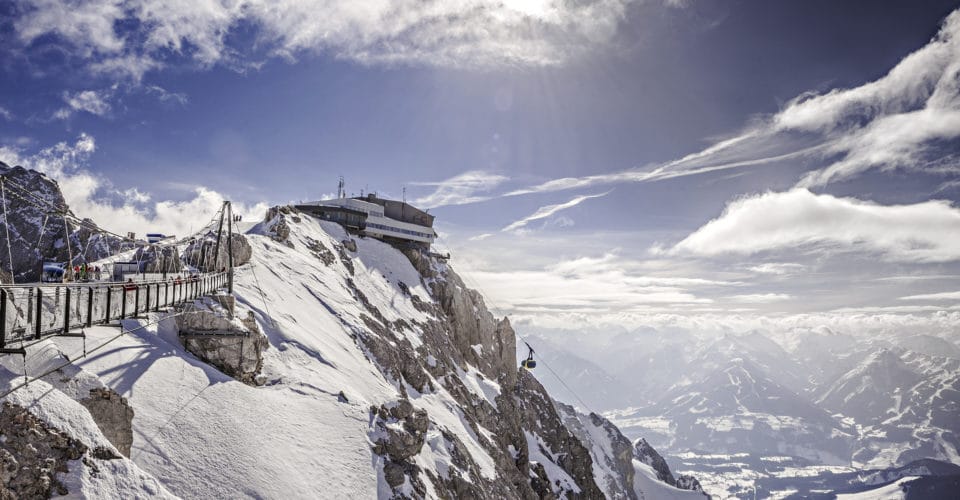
(52, 272)
(157, 238)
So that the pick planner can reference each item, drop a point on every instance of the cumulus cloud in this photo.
(5, 114)
(799, 219)
(472, 33)
(898, 121)
(548, 211)
(460, 189)
(89, 196)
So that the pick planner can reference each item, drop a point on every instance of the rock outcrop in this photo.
(36, 237)
(463, 352)
(210, 331)
(158, 259)
(200, 252)
(401, 431)
(553, 438)
(113, 416)
(32, 454)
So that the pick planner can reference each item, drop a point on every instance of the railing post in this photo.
(147, 302)
(136, 301)
(3, 318)
(166, 294)
(66, 311)
(106, 318)
(89, 306)
(39, 312)
(123, 302)
(157, 308)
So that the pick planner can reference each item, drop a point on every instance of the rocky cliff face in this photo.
(203, 253)
(37, 233)
(529, 448)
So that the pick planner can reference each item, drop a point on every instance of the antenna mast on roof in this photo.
(341, 192)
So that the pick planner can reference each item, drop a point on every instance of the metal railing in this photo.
(35, 312)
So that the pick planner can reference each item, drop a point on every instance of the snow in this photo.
(479, 385)
(560, 481)
(892, 491)
(118, 478)
(202, 434)
(205, 435)
(646, 485)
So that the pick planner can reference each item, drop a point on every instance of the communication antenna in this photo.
(341, 192)
(404, 194)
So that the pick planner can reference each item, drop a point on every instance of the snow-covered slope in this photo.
(384, 376)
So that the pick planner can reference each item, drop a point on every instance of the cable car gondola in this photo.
(529, 363)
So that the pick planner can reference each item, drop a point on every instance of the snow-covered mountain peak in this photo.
(382, 375)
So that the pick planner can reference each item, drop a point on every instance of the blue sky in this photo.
(602, 161)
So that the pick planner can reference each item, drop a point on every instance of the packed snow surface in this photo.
(204, 435)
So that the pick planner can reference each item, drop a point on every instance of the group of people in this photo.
(84, 272)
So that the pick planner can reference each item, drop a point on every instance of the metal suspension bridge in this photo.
(31, 312)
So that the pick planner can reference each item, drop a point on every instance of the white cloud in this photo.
(896, 122)
(6, 114)
(87, 194)
(549, 210)
(778, 268)
(760, 298)
(463, 33)
(166, 96)
(934, 296)
(799, 219)
(460, 189)
(89, 101)
(134, 195)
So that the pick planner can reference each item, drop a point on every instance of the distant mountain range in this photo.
(820, 403)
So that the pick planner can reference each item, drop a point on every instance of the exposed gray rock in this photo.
(113, 415)
(200, 252)
(158, 259)
(539, 416)
(32, 454)
(404, 441)
(687, 482)
(276, 223)
(235, 346)
(30, 195)
(646, 454)
(321, 252)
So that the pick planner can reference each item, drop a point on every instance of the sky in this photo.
(619, 163)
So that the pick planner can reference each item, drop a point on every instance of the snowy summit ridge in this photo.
(383, 375)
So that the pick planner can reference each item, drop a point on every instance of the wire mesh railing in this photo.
(34, 312)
